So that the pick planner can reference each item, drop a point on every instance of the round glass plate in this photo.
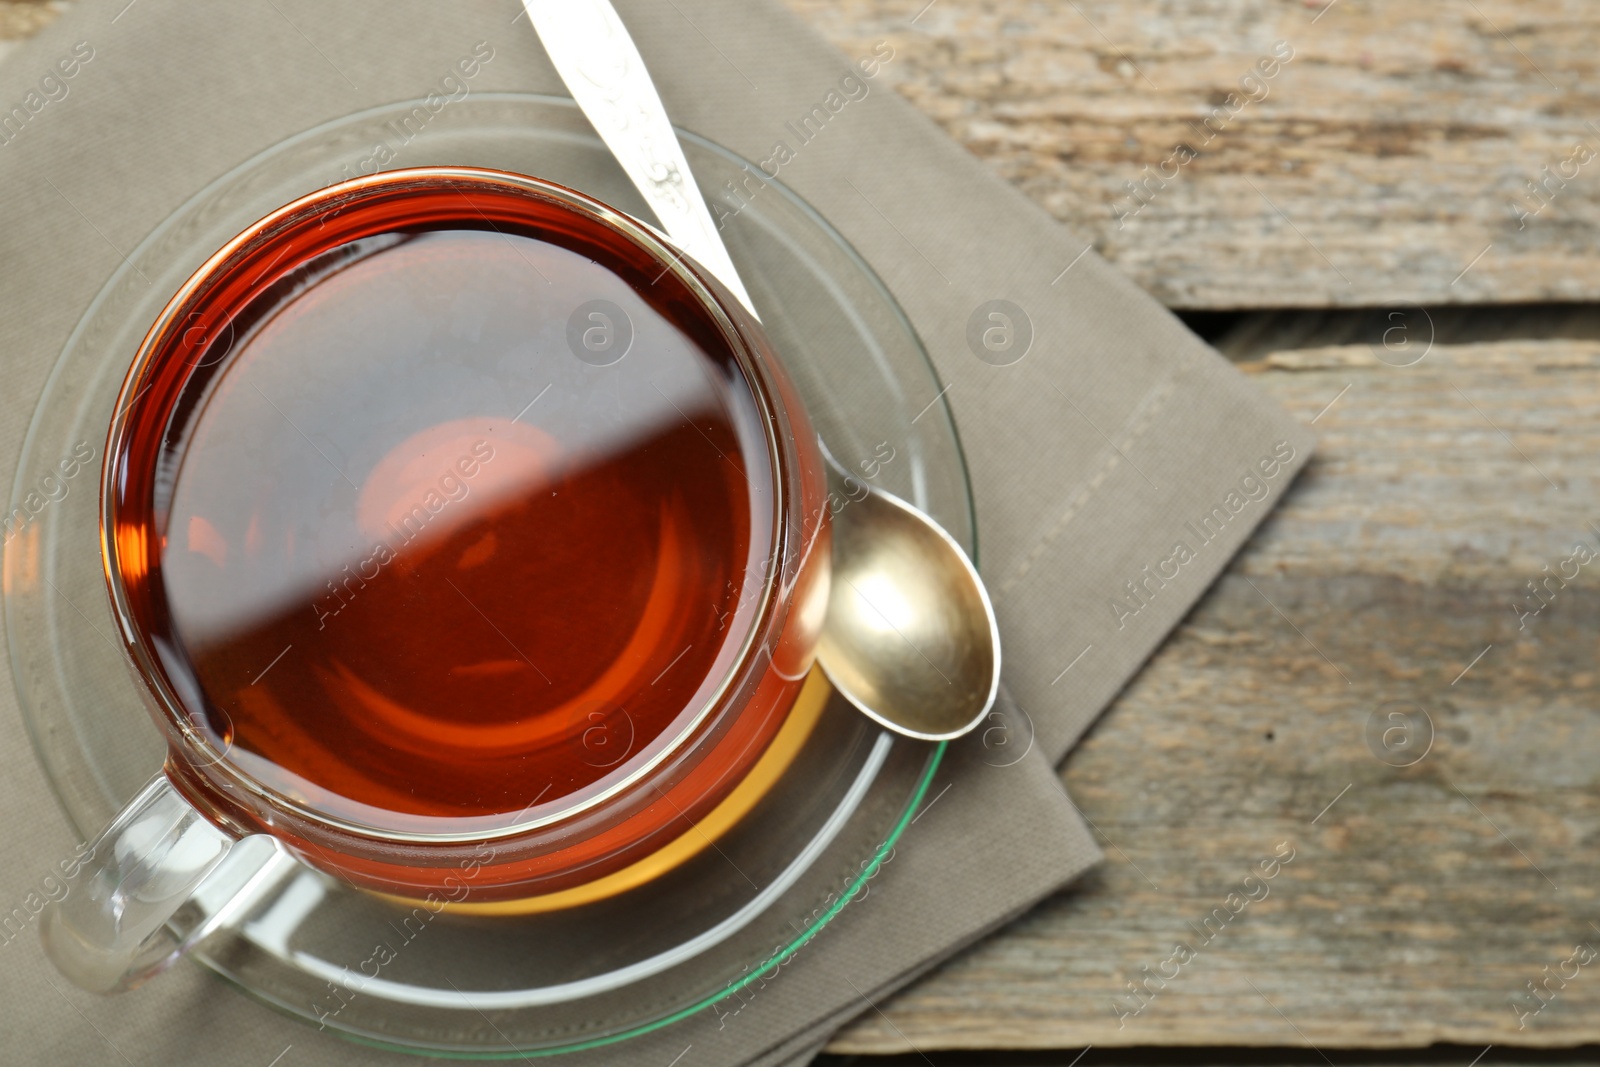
(499, 986)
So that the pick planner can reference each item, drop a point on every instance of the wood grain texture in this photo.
(1385, 164)
(1222, 1056)
(1380, 163)
(1421, 903)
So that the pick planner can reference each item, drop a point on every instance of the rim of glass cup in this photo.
(152, 677)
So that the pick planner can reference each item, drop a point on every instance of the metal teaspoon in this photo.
(910, 637)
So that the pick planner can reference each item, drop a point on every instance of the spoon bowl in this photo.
(910, 637)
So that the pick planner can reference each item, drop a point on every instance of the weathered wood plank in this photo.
(1382, 161)
(1379, 164)
(1419, 906)
(1218, 1056)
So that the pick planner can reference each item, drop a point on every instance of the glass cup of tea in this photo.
(465, 540)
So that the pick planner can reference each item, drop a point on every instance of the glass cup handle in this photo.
(154, 883)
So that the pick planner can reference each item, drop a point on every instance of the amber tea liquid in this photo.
(449, 526)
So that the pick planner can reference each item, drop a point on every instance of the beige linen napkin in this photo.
(1117, 461)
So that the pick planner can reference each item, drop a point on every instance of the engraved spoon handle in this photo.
(596, 57)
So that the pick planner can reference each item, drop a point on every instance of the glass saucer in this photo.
(597, 972)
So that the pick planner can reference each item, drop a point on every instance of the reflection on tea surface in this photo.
(427, 557)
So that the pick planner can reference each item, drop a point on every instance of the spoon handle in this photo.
(596, 57)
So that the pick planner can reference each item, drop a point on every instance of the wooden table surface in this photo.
(1369, 681)
(1454, 467)
(1377, 164)
(1420, 903)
